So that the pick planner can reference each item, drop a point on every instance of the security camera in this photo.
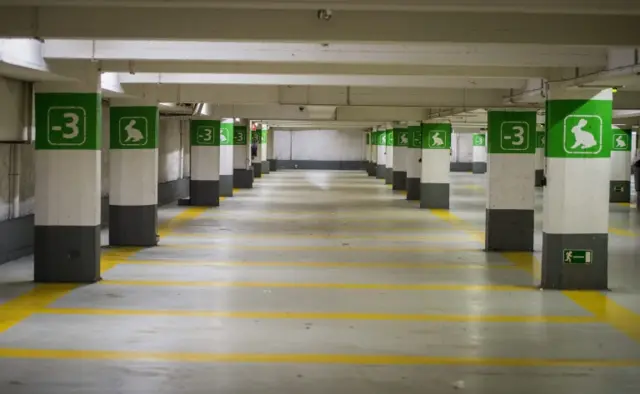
(325, 14)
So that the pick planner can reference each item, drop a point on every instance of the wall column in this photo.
(479, 162)
(133, 174)
(388, 174)
(436, 150)
(226, 157)
(400, 147)
(540, 143)
(367, 153)
(204, 185)
(381, 167)
(510, 181)
(256, 136)
(68, 120)
(414, 158)
(620, 183)
(264, 136)
(373, 152)
(242, 170)
(575, 229)
(271, 151)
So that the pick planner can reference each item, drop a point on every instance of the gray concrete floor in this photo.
(317, 282)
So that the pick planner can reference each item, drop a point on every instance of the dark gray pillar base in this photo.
(257, 170)
(509, 230)
(66, 254)
(619, 191)
(413, 189)
(556, 274)
(478, 167)
(265, 167)
(242, 179)
(434, 195)
(204, 193)
(133, 225)
(539, 178)
(371, 169)
(381, 171)
(399, 180)
(273, 165)
(388, 176)
(226, 185)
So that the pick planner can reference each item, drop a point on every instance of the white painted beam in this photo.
(303, 25)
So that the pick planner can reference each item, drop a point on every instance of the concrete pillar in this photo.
(271, 151)
(414, 158)
(540, 143)
(256, 136)
(264, 136)
(576, 197)
(388, 174)
(242, 170)
(434, 180)
(620, 182)
(68, 122)
(367, 152)
(373, 148)
(479, 160)
(400, 147)
(133, 174)
(204, 186)
(510, 180)
(381, 167)
(226, 157)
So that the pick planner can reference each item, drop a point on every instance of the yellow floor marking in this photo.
(608, 310)
(325, 316)
(180, 219)
(621, 232)
(358, 359)
(243, 237)
(304, 264)
(525, 261)
(301, 248)
(355, 286)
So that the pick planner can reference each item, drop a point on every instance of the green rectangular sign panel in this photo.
(263, 136)
(205, 132)
(512, 132)
(226, 133)
(620, 140)
(540, 139)
(68, 121)
(577, 256)
(479, 139)
(382, 137)
(579, 128)
(133, 127)
(401, 137)
(240, 135)
(389, 139)
(415, 137)
(256, 136)
(436, 135)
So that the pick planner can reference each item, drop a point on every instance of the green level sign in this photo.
(512, 132)
(479, 139)
(621, 140)
(240, 135)
(577, 256)
(415, 137)
(401, 137)
(390, 137)
(226, 133)
(205, 132)
(134, 127)
(540, 139)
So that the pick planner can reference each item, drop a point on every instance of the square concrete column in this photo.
(204, 186)
(388, 172)
(540, 143)
(226, 157)
(510, 180)
(575, 229)
(256, 161)
(367, 152)
(373, 152)
(620, 183)
(381, 166)
(264, 137)
(133, 174)
(271, 150)
(414, 158)
(479, 154)
(68, 121)
(242, 170)
(400, 147)
(436, 158)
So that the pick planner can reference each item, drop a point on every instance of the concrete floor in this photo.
(324, 282)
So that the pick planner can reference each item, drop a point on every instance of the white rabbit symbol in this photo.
(133, 134)
(437, 141)
(584, 138)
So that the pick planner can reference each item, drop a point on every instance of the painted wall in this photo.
(462, 148)
(319, 145)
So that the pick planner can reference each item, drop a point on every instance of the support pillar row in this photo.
(436, 152)
(414, 158)
(400, 147)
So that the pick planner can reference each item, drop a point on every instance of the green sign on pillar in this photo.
(620, 140)
(401, 137)
(479, 139)
(256, 136)
(512, 132)
(415, 137)
(577, 256)
(436, 135)
(540, 139)
(263, 136)
(226, 133)
(579, 128)
(239, 135)
(133, 127)
(382, 138)
(205, 132)
(68, 121)
(389, 139)
(367, 138)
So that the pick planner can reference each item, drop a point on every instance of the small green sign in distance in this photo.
(436, 135)
(205, 132)
(382, 138)
(226, 133)
(133, 127)
(415, 137)
(577, 256)
(389, 139)
(479, 139)
(401, 137)
(620, 140)
(240, 135)
(540, 139)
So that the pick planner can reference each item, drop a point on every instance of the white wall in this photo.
(325, 145)
(172, 150)
(462, 147)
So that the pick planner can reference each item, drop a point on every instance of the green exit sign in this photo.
(577, 256)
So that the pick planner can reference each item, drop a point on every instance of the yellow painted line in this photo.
(279, 358)
(14, 311)
(301, 248)
(606, 309)
(427, 237)
(325, 316)
(305, 264)
(525, 261)
(621, 232)
(355, 286)
(185, 216)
